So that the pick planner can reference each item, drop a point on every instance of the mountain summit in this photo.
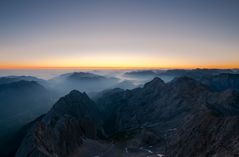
(63, 129)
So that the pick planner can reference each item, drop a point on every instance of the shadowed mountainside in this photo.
(21, 102)
(222, 81)
(156, 119)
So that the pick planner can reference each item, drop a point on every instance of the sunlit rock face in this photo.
(181, 118)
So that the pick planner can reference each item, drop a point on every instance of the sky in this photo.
(119, 34)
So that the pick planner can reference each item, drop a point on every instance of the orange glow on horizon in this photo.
(29, 67)
(118, 62)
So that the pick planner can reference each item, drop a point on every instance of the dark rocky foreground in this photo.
(182, 118)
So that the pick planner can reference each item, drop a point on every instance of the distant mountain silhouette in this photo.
(11, 79)
(168, 75)
(88, 82)
(82, 76)
(142, 73)
(12, 94)
(196, 73)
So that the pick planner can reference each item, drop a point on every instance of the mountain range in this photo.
(117, 117)
(181, 118)
(88, 82)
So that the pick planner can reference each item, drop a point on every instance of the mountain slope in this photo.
(20, 102)
(22, 94)
(210, 133)
(181, 118)
(63, 129)
(222, 81)
(158, 102)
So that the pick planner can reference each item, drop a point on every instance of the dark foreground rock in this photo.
(62, 130)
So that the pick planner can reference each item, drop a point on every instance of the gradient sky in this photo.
(123, 33)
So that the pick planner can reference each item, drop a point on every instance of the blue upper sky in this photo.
(123, 33)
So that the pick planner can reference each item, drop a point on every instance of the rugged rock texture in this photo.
(62, 129)
(183, 109)
(181, 118)
(207, 135)
(157, 102)
(213, 132)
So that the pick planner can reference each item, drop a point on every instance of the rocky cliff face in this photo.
(158, 102)
(179, 118)
(62, 130)
(205, 136)
(212, 132)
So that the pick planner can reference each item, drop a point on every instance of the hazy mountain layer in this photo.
(21, 102)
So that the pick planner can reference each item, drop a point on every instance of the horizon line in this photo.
(111, 68)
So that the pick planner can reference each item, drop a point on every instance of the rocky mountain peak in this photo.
(76, 104)
(156, 82)
(63, 129)
(77, 94)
